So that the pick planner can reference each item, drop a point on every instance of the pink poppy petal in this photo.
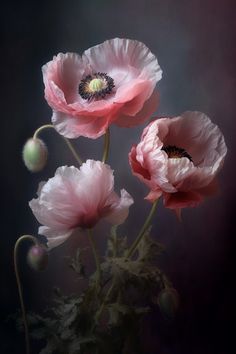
(179, 169)
(181, 200)
(129, 63)
(94, 174)
(65, 71)
(145, 113)
(183, 182)
(153, 195)
(201, 138)
(74, 127)
(120, 211)
(54, 238)
(119, 53)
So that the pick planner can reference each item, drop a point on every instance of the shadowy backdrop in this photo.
(194, 41)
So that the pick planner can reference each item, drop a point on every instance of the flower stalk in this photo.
(96, 257)
(106, 146)
(129, 255)
(142, 231)
(17, 244)
(68, 143)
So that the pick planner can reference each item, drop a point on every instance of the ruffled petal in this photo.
(73, 127)
(201, 138)
(181, 200)
(183, 182)
(54, 238)
(120, 211)
(149, 107)
(97, 178)
(123, 53)
(65, 71)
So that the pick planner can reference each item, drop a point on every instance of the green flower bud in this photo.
(168, 301)
(35, 154)
(37, 257)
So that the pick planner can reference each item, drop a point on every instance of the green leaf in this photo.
(118, 311)
(116, 245)
(149, 249)
(76, 263)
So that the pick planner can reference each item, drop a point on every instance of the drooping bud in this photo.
(37, 257)
(35, 154)
(168, 301)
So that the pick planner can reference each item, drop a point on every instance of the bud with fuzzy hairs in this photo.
(37, 257)
(35, 154)
(168, 301)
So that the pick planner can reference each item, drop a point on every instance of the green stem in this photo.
(96, 257)
(20, 239)
(129, 255)
(70, 146)
(100, 310)
(106, 146)
(142, 231)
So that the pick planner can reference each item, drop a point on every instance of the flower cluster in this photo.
(114, 82)
(177, 158)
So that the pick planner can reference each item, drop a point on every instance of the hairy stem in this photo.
(68, 143)
(106, 146)
(96, 257)
(18, 242)
(144, 228)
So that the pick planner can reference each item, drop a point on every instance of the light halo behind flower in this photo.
(78, 198)
(124, 70)
(178, 158)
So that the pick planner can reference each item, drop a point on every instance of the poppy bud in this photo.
(168, 301)
(35, 154)
(37, 257)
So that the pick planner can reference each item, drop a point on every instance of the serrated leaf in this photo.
(76, 264)
(116, 245)
(149, 249)
(138, 273)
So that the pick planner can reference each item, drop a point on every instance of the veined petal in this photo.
(179, 157)
(73, 127)
(131, 68)
(78, 198)
(54, 238)
(120, 210)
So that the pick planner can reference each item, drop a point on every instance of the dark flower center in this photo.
(97, 86)
(175, 152)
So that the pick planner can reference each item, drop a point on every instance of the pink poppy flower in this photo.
(78, 198)
(179, 159)
(111, 82)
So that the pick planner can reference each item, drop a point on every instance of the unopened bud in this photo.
(168, 301)
(35, 154)
(37, 257)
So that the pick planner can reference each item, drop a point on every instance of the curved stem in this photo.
(38, 131)
(142, 231)
(96, 257)
(20, 239)
(70, 146)
(106, 146)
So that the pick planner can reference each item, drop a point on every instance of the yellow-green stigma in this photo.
(175, 152)
(96, 86)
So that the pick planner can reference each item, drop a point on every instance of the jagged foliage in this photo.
(77, 325)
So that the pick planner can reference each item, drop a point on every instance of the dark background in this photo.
(195, 45)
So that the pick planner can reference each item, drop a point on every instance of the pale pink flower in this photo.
(179, 159)
(78, 198)
(111, 82)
